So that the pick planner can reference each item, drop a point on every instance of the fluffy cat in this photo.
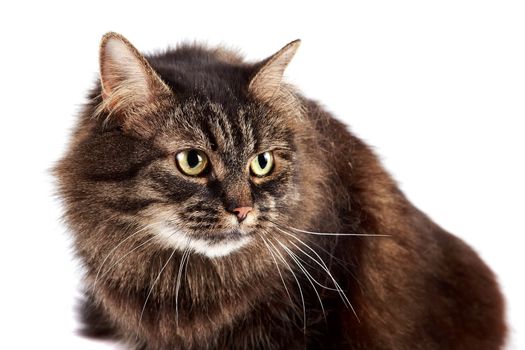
(215, 207)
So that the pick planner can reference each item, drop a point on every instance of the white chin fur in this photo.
(181, 241)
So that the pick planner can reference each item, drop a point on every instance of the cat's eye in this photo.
(262, 164)
(192, 162)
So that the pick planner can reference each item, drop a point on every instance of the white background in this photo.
(436, 87)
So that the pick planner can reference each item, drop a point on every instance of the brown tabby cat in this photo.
(215, 207)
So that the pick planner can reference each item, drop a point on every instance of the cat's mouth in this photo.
(211, 244)
(221, 236)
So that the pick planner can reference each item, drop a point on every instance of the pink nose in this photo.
(242, 212)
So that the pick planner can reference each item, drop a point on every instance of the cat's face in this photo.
(223, 177)
(198, 162)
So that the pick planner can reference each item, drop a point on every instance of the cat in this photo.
(215, 207)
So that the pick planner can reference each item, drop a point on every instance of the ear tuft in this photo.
(267, 81)
(128, 81)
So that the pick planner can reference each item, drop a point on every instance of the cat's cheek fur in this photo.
(181, 241)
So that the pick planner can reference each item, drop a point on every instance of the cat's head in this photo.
(193, 148)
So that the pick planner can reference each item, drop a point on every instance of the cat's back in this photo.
(428, 282)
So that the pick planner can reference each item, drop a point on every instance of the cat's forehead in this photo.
(235, 129)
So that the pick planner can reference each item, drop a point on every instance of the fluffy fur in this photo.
(332, 255)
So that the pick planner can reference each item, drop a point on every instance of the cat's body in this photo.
(407, 283)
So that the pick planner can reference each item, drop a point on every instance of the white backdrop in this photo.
(437, 88)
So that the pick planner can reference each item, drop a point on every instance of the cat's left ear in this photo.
(128, 81)
(266, 82)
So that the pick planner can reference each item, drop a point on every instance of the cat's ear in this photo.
(267, 79)
(128, 81)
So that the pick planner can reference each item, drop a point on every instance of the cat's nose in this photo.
(242, 212)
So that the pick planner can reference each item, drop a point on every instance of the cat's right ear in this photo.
(129, 84)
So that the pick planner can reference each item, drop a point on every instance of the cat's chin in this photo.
(223, 244)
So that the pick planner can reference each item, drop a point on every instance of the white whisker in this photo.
(345, 299)
(183, 260)
(296, 281)
(330, 233)
(126, 255)
(113, 250)
(306, 273)
(278, 270)
(153, 285)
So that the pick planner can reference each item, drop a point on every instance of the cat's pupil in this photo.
(261, 158)
(193, 158)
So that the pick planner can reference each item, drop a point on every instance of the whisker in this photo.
(126, 255)
(304, 261)
(296, 281)
(332, 257)
(278, 269)
(324, 266)
(345, 299)
(113, 250)
(306, 273)
(184, 259)
(330, 233)
(153, 285)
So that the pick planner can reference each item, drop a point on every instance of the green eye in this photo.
(192, 162)
(262, 164)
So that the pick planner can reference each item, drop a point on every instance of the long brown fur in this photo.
(408, 283)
